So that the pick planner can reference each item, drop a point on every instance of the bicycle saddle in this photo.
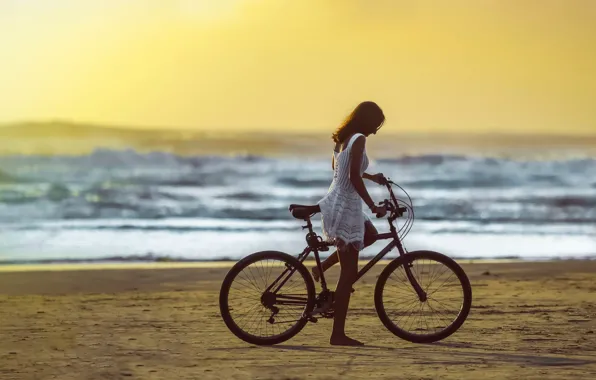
(303, 211)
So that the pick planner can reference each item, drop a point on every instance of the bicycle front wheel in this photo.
(265, 297)
(448, 297)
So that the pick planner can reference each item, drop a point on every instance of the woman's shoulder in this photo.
(358, 138)
(358, 142)
(348, 142)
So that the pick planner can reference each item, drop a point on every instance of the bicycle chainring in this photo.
(325, 301)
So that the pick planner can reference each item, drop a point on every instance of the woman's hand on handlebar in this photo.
(379, 211)
(378, 178)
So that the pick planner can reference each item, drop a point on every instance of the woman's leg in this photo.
(370, 233)
(348, 257)
(325, 264)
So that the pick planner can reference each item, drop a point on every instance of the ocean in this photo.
(122, 205)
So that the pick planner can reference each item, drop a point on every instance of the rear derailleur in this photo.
(268, 301)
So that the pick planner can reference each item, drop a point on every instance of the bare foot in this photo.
(315, 273)
(344, 341)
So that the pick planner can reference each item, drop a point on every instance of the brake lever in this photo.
(385, 203)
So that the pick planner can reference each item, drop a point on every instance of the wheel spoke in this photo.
(250, 281)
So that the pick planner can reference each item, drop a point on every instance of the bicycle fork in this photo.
(422, 296)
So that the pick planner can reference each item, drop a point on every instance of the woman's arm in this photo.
(376, 178)
(355, 164)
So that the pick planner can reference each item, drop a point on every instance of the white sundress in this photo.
(342, 216)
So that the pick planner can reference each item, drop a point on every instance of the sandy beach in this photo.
(161, 321)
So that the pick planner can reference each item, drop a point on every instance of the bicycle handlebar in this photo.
(391, 204)
(391, 208)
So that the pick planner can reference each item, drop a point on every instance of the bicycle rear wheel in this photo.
(448, 297)
(265, 296)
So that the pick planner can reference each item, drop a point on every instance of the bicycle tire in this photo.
(237, 269)
(407, 259)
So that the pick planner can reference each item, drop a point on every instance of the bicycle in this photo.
(281, 308)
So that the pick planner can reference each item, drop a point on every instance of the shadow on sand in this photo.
(441, 353)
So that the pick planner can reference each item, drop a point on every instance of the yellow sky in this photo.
(444, 65)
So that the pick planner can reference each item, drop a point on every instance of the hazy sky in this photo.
(444, 65)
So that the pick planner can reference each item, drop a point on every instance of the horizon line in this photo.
(210, 130)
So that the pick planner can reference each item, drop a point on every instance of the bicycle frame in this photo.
(315, 244)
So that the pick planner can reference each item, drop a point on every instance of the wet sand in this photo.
(161, 321)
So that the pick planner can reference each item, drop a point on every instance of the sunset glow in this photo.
(450, 66)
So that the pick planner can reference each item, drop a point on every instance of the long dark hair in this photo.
(366, 118)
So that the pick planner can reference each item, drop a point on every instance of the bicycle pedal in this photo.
(313, 319)
(329, 314)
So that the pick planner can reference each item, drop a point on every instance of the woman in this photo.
(343, 220)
